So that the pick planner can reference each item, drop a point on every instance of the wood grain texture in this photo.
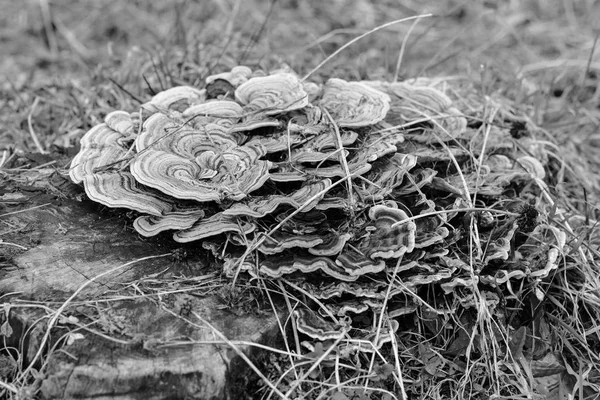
(157, 354)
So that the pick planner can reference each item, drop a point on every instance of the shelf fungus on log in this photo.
(348, 189)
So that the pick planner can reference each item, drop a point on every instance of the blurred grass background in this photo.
(42, 38)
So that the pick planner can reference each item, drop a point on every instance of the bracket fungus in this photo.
(348, 189)
(215, 108)
(178, 98)
(354, 104)
(152, 225)
(238, 75)
(272, 94)
(390, 234)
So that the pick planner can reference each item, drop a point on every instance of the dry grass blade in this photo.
(343, 161)
(290, 312)
(24, 375)
(403, 48)
(9, 387)
(257, 35)
(382, 318)
(466, 209)
(25, 210)
(356, 39)
(38, 145)
(48, 27)
(233, 346)
(314, 366)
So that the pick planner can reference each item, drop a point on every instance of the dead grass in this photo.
(68, 63)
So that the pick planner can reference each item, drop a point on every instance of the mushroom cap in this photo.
(213, 226)
(256, 167)
(418, 101)
(312, 324)
(278, 140)
(533, 166)
(272, 94)
(387, 175)
(107, 145)
(238, 75)
(544, 246)
(332, 244)
(103, 145)
(383, 239)
(151, 225)
(328, 141)
(100, 146)
(215, 108)
(255, 121)
(231, 175)
(120, 189)
(306, 197)
(197, 165)
(121, 121)
(356, 263)
(370, 342)
(498, 243)
(429, 231)
(374, 290)
(178, 97)
(162, 133)
(279, 242)
(354, 104)
(277, 267)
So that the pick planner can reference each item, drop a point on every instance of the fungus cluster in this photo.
(375, 199)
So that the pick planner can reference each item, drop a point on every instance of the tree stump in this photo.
(155, 344)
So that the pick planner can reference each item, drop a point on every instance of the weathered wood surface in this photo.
(52, 244)
(68, 242)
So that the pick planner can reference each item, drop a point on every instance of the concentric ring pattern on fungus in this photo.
(347, 190)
